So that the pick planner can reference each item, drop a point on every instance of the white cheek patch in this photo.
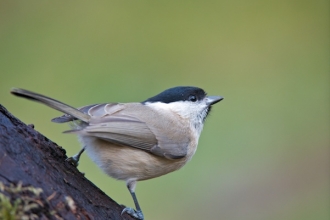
(182, 108)
(194, 111)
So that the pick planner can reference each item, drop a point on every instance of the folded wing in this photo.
(122, 125)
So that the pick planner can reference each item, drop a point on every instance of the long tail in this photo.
(60, 106)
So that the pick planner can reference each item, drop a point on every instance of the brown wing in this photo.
(132, 125)
(124, 131)
(66, 118)
(92, 110)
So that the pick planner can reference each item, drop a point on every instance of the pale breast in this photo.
(125, 163)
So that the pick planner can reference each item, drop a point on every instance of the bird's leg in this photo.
(138, 212)
(75, 158)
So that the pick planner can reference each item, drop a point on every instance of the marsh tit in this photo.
(140, 140)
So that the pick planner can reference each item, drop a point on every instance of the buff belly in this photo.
(127, 163)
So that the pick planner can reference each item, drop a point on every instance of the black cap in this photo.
(180, 93)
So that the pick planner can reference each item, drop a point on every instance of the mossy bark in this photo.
(37, 183)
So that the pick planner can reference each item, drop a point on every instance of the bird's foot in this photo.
(136, 214)
(74, 160)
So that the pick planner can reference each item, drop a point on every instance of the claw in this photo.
(73, 160)
(136, 214)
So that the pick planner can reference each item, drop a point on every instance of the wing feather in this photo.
(124, 131)
(124, 124)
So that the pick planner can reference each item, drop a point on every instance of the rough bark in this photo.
(37, 183)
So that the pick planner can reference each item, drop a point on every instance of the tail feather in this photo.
(60, 106)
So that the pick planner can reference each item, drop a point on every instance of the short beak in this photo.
(210, 100)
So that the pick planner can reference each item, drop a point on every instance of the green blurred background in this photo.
(264, 152)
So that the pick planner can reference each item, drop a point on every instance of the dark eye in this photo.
(192, 98)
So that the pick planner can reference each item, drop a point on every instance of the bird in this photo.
(139, 140)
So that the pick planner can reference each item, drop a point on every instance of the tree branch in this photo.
(37, 183)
